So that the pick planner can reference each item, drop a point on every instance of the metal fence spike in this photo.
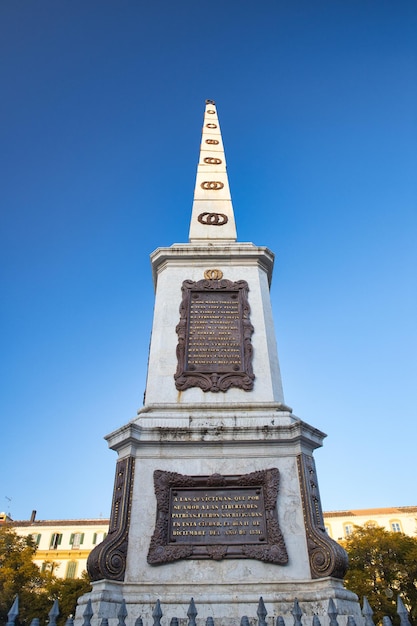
(244, 621)
(139, 621)
(261, 612)
(367, 612)
(279, 621)
(157, 614)
(332, 612)
(402, 612)
(351, 621)
(104, 621)
(174, 621)
(53, 613)
(70, 621)
(386, 621)
(35, 622)
(192, 613)
(296, 613)
(316, 621)
(14, 612)
(122, 614)
(209, 621)
(88, 614)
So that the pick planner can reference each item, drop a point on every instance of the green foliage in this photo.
(18, 573)
(36, 590)
(383, 565)
(67, 593)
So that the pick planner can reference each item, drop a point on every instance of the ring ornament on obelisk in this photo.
(212, 161)
(213, 274)
(212, 184)
(213, 219)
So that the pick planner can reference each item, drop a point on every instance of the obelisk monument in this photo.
(216, 493)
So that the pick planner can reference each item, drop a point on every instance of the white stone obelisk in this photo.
(214, 420)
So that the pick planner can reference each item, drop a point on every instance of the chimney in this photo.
(33, 516)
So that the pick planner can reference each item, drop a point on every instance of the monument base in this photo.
(267, 441)
(226, 604)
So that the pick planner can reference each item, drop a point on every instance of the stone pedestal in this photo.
(237, 441)
(226, 605)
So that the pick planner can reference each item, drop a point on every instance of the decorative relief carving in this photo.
(210, 125)
(210, 111)
(108, 559)
(217, 553)
(212, 184)
(213, 274)
(217, 517)
(212, 161)
(214, 349)
(327, 558)
(216, 480)
(213, 219)
(213, 142)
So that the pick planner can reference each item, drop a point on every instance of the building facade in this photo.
(63, 545)
(341, 524)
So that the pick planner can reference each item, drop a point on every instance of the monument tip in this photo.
(212, 217)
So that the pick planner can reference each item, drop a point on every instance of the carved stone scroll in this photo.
(217, 517)
(108, 559)
(327, 558)
(214, 349)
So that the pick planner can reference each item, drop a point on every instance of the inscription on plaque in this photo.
(219, 516)
(214, 348)
(214, 338)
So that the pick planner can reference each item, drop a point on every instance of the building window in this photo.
(396, 527)
(348, 528)
(36, 538)
(56, 539)
(98, 537)
(71, 569)
(47, 567)
(76, 540)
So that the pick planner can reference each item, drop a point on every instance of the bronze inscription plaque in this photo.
(217, 517)
(214, 348)
(214, 338)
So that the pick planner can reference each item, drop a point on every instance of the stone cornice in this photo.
(219, 431)
(221, 408)
(187, 254)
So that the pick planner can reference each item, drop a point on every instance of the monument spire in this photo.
(212, 216)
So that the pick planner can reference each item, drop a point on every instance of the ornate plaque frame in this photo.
(272, 549)
(215, 378)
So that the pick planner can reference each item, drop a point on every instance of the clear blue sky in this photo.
(102, 106)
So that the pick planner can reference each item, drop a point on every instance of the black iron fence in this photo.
(298, 618)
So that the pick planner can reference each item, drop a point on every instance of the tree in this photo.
(383, 565)
(67, 591)
(18, 573)
(37, 590)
